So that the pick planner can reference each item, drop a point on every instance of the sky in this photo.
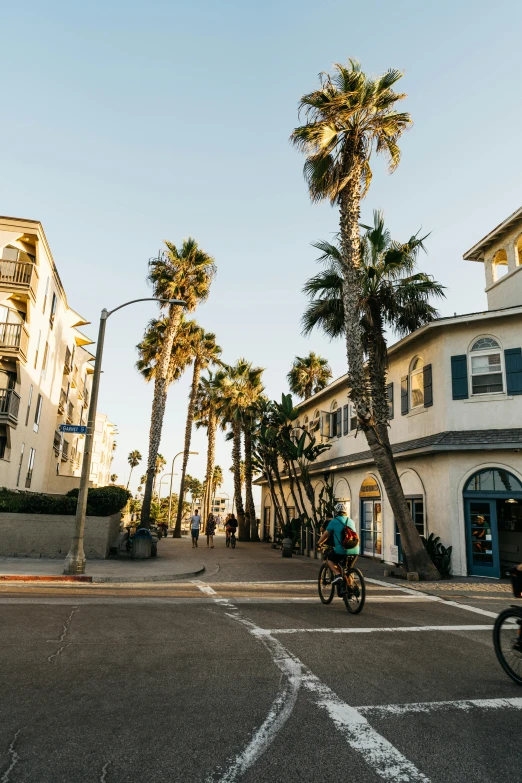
(125, 124)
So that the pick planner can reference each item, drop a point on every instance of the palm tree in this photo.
(160, 464)
(309, 375)
(114, 478)
(238, 388)
(185, 274)
(393, 296)
(217, 480)
(204, 351)
(347, 118)
(133, 459)
(206, 415)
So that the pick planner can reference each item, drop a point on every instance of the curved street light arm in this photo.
(106, 313)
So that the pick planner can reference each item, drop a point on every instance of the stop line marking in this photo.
(464, 705)
(398, 629)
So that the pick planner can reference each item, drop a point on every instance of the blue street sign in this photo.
(76, 428)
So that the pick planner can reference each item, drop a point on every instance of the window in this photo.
(417, 382)
(389, 393)
(500, 264)
(305, 423)
(37, 348)
(335, 421)
(346, 420)
(20, 464)
(493, 480)
(518, 251)
(53, 310)
(353, 418)
(29, 404)
(38, 413)
(45, 360)
(30, 468)
(3, 446)
(486, 367)
(46, 294)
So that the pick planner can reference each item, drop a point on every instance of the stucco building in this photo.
(455, 397)
(45, 366)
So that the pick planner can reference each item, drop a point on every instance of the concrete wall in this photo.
(507, 291)
(46, 535)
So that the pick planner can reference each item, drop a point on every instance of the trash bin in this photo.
(142, 544)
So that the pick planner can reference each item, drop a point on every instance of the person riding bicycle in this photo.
(337, 555)
(231, 525)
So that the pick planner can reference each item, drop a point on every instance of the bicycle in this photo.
(507, 634)
(231, 539)
(353, 592)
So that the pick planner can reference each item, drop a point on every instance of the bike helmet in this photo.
(340, 508)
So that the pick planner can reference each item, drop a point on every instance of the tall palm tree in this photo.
(238, 388)
(134, 460)
(393, 296)
(185, 274)
(309, 374)
(206, 415)
(204, 352)
(217, 480)
(348, 117)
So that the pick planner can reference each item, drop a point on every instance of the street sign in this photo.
(76, 428)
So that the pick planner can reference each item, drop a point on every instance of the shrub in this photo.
(439, 554)
(103, 501)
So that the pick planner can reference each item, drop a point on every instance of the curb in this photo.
(146, 579)
(54, 578)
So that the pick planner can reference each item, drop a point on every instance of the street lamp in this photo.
(171, 477)
(75, 560)
(164, 476)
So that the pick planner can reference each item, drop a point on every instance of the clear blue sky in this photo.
(124, 124)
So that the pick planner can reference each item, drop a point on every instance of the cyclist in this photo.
(337, 555)
(231, 525)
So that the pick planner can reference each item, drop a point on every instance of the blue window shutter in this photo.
(459, 377)
(389, 391)
(404, 395)
(345, 420)
(428, 386)
(513, 359)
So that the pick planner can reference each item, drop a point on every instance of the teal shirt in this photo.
(335, 526)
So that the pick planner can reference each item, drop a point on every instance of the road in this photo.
(243, 675)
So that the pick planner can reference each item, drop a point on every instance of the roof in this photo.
(451, 440)
(476, 252)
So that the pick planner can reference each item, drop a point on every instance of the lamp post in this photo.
(180, 500)
(165, 475)
(75, 560)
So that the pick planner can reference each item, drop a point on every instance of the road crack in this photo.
(65, 631)
(15, 758)
(104, 772)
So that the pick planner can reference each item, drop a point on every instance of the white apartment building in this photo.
(45, 366)
(102, 451)
(455, 396)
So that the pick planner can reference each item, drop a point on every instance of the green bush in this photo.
(440, 555)
(101, 502)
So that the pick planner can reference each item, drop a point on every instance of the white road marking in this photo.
(396, 710)
(399, 629)
(207, 589)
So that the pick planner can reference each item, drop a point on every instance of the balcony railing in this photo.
(67, 365)
(70, 413)
(14, 339)
(57, 443)
(65, 450)
(19, 276)
(63, 401)
(9, 406)
(85, 397)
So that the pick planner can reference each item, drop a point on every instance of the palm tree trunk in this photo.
(280, 485)
(130, 474)
(254, 533)
(277, 511)
(188, 435)
(211, 454)
(159, 402)
(292, 487)
(298, 484)
(236, 463)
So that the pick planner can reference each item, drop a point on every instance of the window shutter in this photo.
(513, 359)
(428, 386)
(345, 418)
(339, 422)
(404, 395)
(459, 377)
(389, 391)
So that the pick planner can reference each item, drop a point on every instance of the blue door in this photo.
(482, 538)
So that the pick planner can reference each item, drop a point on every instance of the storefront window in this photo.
(493, 480)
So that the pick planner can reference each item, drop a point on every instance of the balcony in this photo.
(9, 406)
(65, 451)
(85, 397)
(57, 442)
(70, 413)
(14, 340)
(67, 365)
(63, 401)
(20, 276)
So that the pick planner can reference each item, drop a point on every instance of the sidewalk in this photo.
(170, 565)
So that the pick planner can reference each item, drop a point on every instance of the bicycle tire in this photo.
(233, 542)
(504, 637)
(355, 596)
(324, 584)
(227, 541)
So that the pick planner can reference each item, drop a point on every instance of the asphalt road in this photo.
(245, 676)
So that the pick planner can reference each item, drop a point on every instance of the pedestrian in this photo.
(210, 529)
(195, 527)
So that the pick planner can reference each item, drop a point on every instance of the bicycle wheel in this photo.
(355, 594)
(227, 541)
(233, 542)
(324, 584)
(506, 639)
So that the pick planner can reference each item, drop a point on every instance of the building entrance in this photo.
(371, 518)
(493, 506)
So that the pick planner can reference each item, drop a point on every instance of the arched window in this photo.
(518, 251)
(486, 366)
(305, 424)
(417, 382)
(335, 420)
(500, 264)
(493, 480)
(316, 423)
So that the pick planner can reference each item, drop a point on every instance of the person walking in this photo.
(195, 527)
(210, 529)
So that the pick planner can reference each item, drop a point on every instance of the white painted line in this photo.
(465, 705)
(400, 629)
(207, 589)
